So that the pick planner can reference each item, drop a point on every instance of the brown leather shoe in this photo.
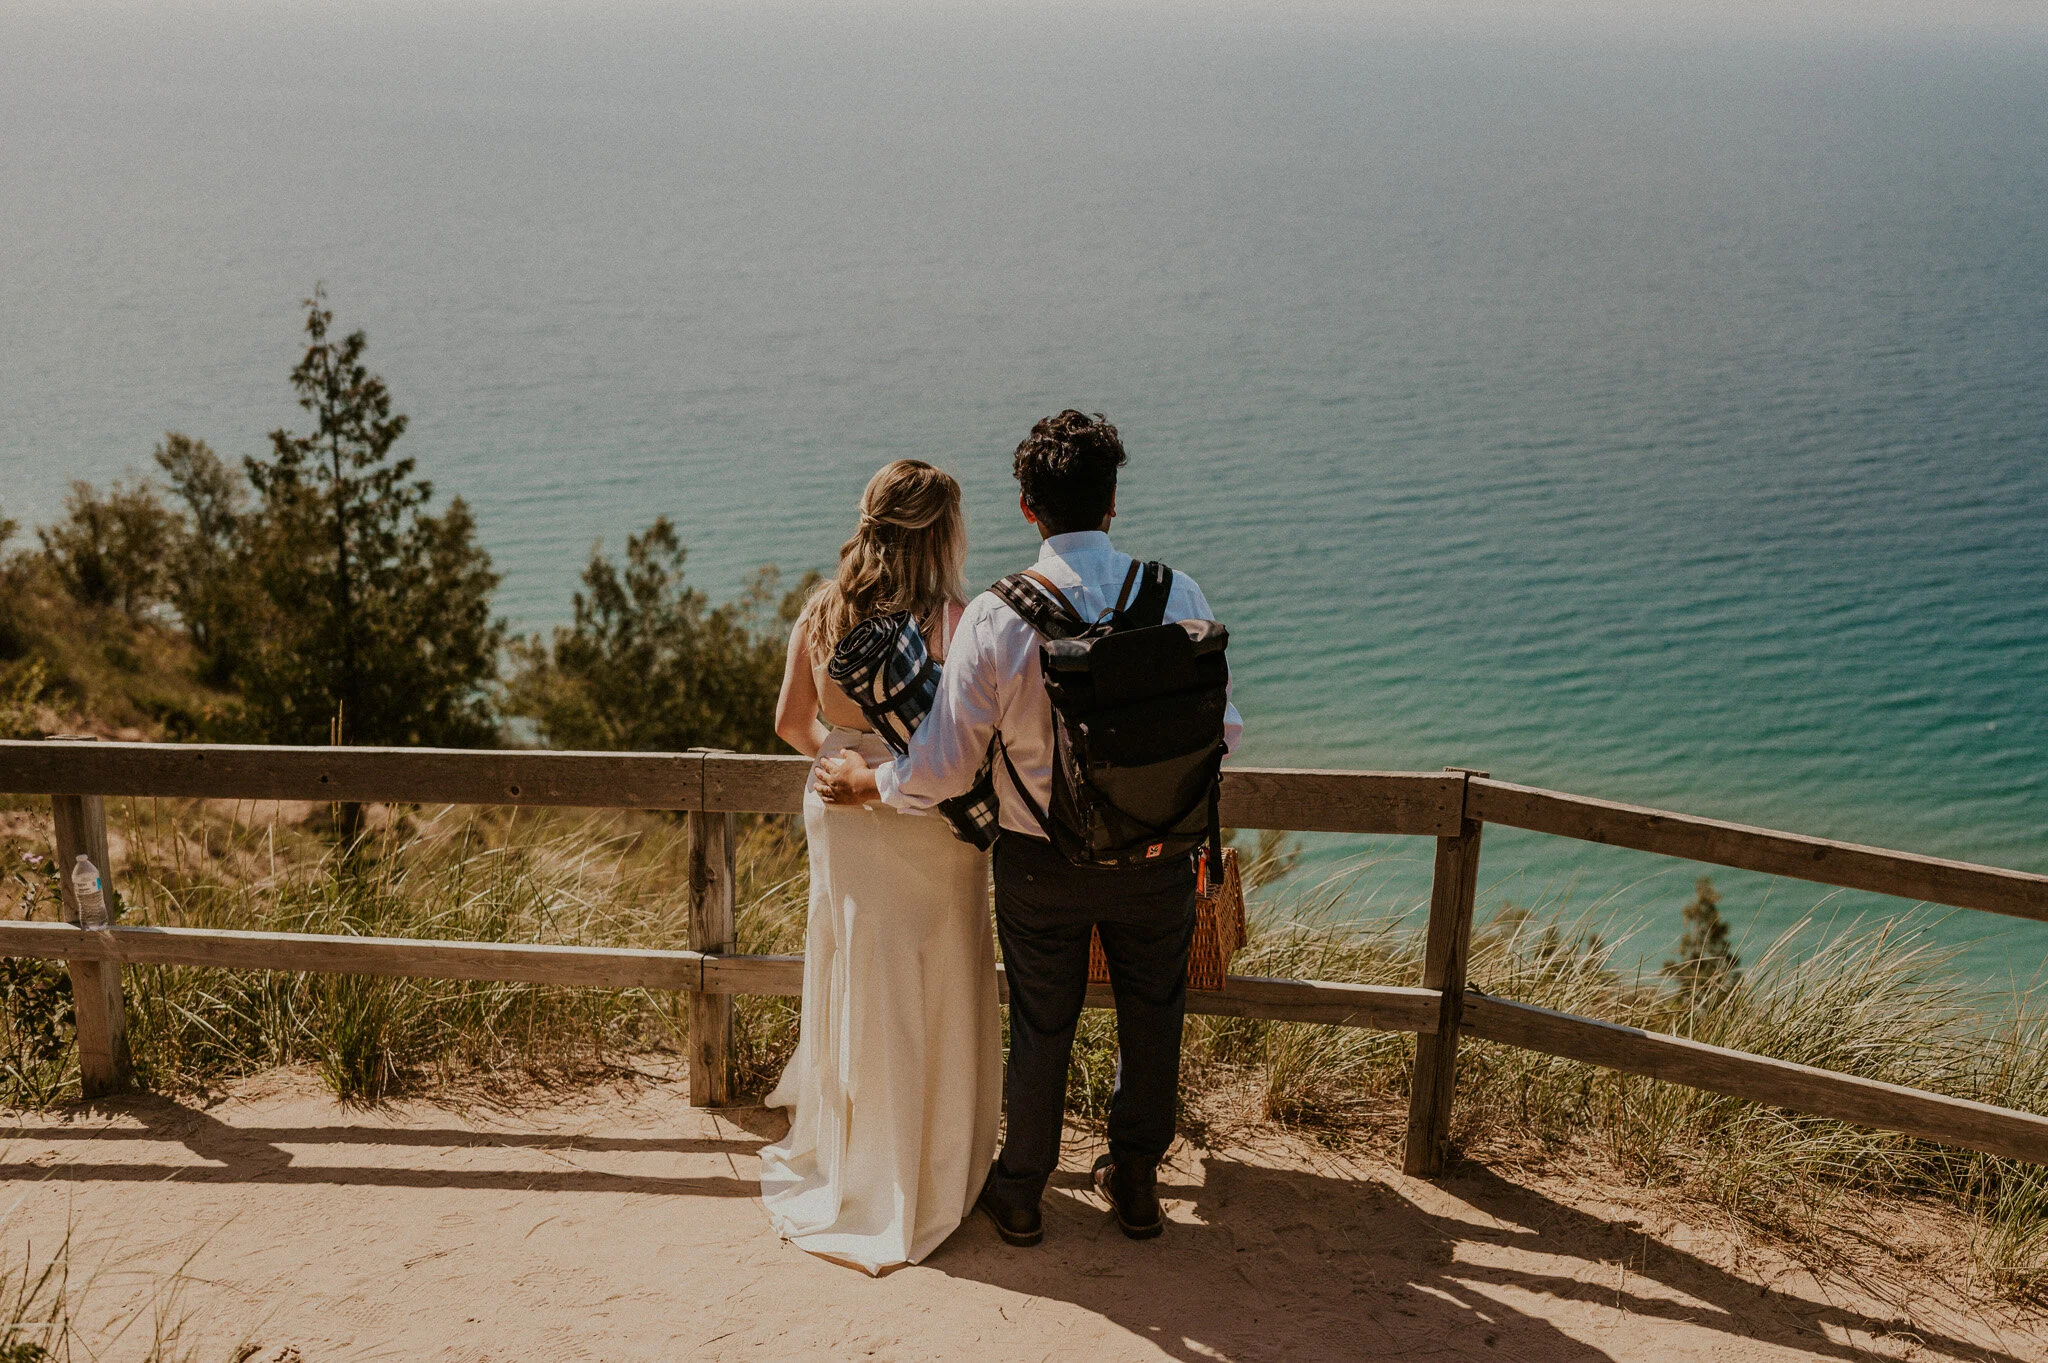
(1133, 1190)
(1020, 1226)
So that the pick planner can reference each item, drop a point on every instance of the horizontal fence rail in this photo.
(449, 776)
(1903, 874)
(1780, 1083)
(1452, 806)
(1389, 1008)
(1426, 803)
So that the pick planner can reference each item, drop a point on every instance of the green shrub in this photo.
(648, 664)
(115, 548)
(37, 1059)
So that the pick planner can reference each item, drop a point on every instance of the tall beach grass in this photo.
(73, 1303)
(1881, 1000)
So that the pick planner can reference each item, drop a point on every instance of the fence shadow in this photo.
(1289, 1263)
(239, 1154)
(1262, 1262)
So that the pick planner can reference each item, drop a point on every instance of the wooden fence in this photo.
(1452, 806)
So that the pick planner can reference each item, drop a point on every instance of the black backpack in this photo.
(1137, 722)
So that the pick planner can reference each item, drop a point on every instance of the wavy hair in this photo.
(1067, 469)
(908, 554)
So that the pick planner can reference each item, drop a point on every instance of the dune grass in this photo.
(1881, 1001)
(53, 1308)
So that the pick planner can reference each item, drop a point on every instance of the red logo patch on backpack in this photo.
(1155, 849)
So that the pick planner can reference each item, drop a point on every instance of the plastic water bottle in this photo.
(85, 889)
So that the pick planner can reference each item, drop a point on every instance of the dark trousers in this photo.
(1045, 907)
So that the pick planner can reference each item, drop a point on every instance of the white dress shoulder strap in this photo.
(950, 616)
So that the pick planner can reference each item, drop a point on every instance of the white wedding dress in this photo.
(896, 1083)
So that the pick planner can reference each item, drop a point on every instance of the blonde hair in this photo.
(908, 554)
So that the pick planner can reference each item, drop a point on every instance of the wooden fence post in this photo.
(100, 1012)
(713, 837)
(1452, 890)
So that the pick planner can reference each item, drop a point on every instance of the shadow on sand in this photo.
(1295, 1264)
(1276, 1263)
(241, 1154)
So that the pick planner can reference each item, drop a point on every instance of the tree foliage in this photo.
(370, 611)
(319, 590)
(212, 593)
(649, 665)
(115, 548)
(12, 642)
(24, 699)
(1706, 966)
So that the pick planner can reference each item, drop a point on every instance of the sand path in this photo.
(621, 1225)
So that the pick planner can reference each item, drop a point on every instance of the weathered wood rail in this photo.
(1452, 806)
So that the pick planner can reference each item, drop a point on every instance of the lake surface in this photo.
(1647, 409)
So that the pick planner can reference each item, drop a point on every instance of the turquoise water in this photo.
(1652, 410)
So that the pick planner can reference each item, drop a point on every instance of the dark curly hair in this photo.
(1067, 469)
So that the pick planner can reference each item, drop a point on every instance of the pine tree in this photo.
(373, 617)
(1706, 966)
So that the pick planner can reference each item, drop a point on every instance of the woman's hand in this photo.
(845, 779)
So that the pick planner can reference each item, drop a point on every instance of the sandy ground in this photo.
(621, 1225)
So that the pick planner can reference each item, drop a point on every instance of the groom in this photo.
(1045, 906)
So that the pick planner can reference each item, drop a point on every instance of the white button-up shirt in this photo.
(993, 682)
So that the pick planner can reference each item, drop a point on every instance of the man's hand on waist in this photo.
(845, 779)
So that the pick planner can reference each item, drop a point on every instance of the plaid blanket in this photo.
(884, 667)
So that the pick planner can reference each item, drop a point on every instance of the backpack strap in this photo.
(1054, 617)
(1053, 588)
(1212, 855)
(1149, 609)
(1017, 782)
(1123, 594)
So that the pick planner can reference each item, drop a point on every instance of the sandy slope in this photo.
(623, 1226)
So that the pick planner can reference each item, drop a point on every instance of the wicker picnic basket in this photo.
(1219, 930)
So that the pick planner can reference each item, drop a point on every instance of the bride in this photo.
(896, 1082)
